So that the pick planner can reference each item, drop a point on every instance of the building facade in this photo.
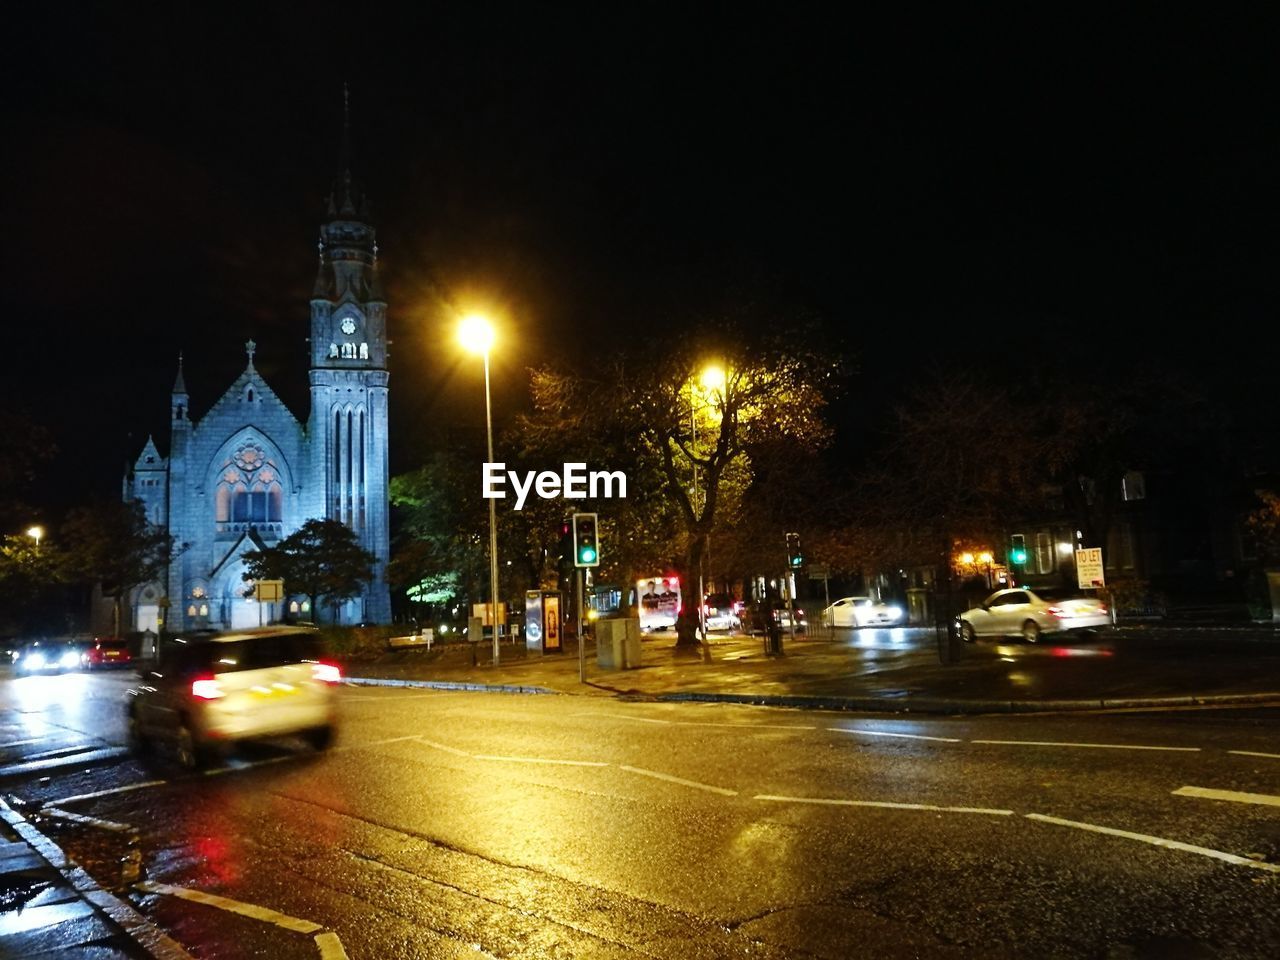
(248, 473)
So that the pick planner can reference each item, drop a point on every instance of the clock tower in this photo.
(347, 430)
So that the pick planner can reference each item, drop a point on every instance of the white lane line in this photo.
(743, 726)
(1252, 753)
(1207, 793)
(564, 763)
(372, 743)
(610, 716)
(330, 946)
(440, 746)
(1159, 842)
(886, 733)
(1088, 746)
(684, 783)
(239, 767)
(232, 906)
(105, 793)
(87, 821)
(885, 804)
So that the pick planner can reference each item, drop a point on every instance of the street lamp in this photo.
(712, 379)
(476, 335)
(35, 533)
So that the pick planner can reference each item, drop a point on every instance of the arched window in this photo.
(249, 490)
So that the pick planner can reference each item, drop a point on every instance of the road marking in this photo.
(566, 763)
(372, 743)
(409, 696)
(1252, 753)
(330, 946)
(1089, 746)
(440, 746)
(88, 821)
(886, 733)
(105, 793)
(884, 803)
(1159, 842)
(1206, 793)
(264, 914)
(684, 783)
(610, 716)
(218, 771)
(743, 726)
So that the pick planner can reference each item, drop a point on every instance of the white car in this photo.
(861, 612)
(208, 693)
(1022, 612)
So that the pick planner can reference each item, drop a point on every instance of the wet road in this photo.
(460, 824)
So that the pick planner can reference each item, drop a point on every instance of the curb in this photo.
(445, 685)
(154, 941)
(861, 704)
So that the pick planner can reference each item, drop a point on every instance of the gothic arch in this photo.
(250, 483)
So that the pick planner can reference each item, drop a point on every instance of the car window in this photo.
(1019, 596)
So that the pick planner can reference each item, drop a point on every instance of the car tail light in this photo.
(326, 672)
(1102, 608)
(1056, 611)
(206, 688)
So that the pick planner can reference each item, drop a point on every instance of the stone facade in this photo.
(248, 473)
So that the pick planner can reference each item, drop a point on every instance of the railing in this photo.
(267, 529)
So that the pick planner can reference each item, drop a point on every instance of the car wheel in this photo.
(1031, 631)
(193, 753)
(320, 738)
(966, 632)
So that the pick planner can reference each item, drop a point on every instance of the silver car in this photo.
(861, 612)
(1022, 612)
(207, 693)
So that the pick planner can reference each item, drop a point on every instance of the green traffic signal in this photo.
(586, 543)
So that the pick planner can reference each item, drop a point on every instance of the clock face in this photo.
(348, 326)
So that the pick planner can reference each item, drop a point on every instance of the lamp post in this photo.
(476, 334)
(712, 379)
(35, 533)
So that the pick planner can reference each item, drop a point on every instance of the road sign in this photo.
(818, 571)
(269, 591)
(1089, 568)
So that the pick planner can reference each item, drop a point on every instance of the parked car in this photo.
(861, 612)
(107, 652)
(48, 656)
(1028, 614)
(721, 612)
(208, 693)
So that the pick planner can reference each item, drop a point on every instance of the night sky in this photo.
(998, 194)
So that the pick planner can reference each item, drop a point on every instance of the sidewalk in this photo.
(878, 670)
(49, 907)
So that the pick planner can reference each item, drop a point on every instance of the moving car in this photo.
(781, 616)
(47, 656)
(1028, 614)
(107, 652)
(721, 612)
(208, 693)
(861, 612)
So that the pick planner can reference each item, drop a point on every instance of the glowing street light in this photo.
(35, 533)
(476, 335)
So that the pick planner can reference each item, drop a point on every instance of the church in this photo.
(248, 473)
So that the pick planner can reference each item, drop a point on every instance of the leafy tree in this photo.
(686, 441)
(24, 446)
(322, 560)
(1264, 525)
(30, 584)
(113, 543)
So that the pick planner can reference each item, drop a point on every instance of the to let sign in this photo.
(1089, 568)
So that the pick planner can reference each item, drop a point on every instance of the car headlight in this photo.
(69, 659)
(34, 661)
(895, 613)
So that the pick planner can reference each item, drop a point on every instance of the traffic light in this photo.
(795, 559)
(586, 542)
(1018, 551)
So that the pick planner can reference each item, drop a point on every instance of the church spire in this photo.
(180, 384)
(348, 207)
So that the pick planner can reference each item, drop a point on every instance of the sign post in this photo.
(267, 591)
(1089, 568)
